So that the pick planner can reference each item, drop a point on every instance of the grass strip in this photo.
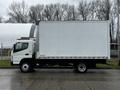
(5, 63)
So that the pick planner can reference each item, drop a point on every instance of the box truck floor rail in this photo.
(80, 44)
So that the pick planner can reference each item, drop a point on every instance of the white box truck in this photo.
(80, 44)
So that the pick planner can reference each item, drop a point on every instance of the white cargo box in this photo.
(74, 40)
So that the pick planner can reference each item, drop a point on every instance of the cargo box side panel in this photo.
(73, 39)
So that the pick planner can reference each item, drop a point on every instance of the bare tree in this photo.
(64, 8)
(48, 12)
(35, 12)
(83, 9)
(71, 13)
(112, 32)
(118, 28)
(58, 12)
(103, 9)
(18, 12)
(92, 10)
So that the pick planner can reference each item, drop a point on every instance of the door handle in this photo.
(26, 54)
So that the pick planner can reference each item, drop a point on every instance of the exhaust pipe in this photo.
(32, 31)
(33, 27)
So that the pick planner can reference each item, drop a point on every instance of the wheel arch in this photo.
(28, 60)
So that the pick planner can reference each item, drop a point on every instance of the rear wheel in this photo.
(81, 68)
(26, 67)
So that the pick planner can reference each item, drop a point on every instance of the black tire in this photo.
(75, 68)
(81, 68)
(25, 67)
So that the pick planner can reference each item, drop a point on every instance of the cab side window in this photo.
(20, 46)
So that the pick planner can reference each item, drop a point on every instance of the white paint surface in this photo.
(78, 39)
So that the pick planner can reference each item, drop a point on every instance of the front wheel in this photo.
(25, 67)
(81, 67)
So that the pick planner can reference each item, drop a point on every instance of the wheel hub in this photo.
(25, 67)
(81, 67)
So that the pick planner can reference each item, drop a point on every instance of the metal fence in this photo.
(5, 53)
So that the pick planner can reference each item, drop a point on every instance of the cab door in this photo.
(21, 50)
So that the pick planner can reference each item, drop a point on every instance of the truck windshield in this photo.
(20, 46)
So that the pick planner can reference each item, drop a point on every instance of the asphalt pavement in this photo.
(60, 79)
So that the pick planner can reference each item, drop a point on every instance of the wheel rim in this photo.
(25, 67)
(81, 67)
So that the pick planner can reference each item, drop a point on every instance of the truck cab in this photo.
(22, 49)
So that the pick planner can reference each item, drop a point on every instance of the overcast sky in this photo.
(4, 4)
